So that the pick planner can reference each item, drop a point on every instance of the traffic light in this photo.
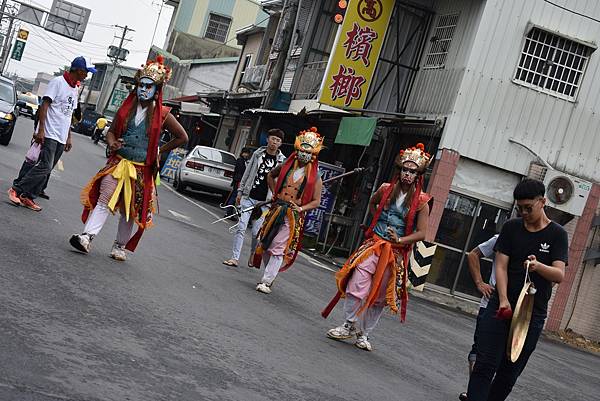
(340, 10)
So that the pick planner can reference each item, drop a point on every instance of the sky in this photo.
(47, 52)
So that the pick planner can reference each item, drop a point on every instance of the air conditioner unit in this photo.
(565, 192)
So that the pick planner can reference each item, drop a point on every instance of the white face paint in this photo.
(304, 157)
(146, 89)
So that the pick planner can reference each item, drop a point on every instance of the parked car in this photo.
(8, 114)
(206, 169)
(27, 104)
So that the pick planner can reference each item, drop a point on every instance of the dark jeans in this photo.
(33, 177)
(473, 353)
(491, 356)
(97, 135)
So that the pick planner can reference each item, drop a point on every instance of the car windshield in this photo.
(225, 157)
(7, 92)
(28, 98)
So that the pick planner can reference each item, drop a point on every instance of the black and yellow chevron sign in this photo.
(420, 263)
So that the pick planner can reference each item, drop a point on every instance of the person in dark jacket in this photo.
(238, 173)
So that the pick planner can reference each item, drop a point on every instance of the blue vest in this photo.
(135, 139)
(392, 217)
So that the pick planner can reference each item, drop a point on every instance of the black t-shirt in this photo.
(260, 188)
(548, 245)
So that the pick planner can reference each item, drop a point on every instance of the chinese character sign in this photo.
(355, 53)
(314, 218)
(171, 166)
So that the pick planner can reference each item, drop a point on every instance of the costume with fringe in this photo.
(135, 195)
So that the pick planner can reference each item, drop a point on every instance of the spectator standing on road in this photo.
(376, 275)
(100, 124)
(484, 250)
(253, 189)
(238, 173)
(297, 190)
(53, 134)
(127, 181)
(533, 240)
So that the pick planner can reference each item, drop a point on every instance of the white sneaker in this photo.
(264, 288)
(362, 342)
(118, 252)
(81, 242)
(343, 332)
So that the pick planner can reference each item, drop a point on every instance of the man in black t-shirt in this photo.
(253, 189)
(543, 243)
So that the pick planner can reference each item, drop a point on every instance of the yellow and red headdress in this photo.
(155, 70)
(309, 141)
(415, 154)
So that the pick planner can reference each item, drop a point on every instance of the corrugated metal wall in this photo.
(490, 108)
(435, 90)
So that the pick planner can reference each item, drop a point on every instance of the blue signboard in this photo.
(314, 218)
(172, 164)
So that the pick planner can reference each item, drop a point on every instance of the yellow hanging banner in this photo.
(356, 52)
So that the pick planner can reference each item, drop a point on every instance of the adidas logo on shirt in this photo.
(545, 248)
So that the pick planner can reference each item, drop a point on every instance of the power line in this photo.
(571, 11)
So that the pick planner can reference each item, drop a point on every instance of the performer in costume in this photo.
(297, 190)
(127, 182)
(375, 276)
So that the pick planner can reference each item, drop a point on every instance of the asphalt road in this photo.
(173, 323)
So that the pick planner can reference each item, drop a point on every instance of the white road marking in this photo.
(179, 215)
(191, 201)
(316, 262)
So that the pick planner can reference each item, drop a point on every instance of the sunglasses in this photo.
(408, 171)
(527, 208)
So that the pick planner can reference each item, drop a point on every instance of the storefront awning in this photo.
(301, 107)
(356, 131)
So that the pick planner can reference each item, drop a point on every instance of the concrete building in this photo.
(41, 83)
(206, 29)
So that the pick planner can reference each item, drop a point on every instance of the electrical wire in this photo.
(571, 11)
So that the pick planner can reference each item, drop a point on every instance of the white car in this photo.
(206, 169)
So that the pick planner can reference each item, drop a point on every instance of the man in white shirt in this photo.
(53, 134)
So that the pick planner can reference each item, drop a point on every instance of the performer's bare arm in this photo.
(274, 173)
(374, 201)
(179, 136)
(475, 270)
(112, 142)
(315, 202)
(421, 231)
(502, 279)
(554, 273)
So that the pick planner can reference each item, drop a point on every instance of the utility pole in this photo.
(116, 58)
(286, 23)
(5, 54)
(162, 4)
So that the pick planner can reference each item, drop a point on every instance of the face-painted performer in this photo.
(296, 191)
(375, 276)
(127, 182)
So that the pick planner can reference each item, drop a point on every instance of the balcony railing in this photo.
(310, 80)
(253, 76)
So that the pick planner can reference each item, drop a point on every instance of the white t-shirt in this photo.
(60, 111)
(487, 250)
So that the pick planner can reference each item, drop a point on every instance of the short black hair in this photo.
(529, 189)
(276, 132)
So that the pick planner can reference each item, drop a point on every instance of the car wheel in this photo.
(178, 185)
(5, 140)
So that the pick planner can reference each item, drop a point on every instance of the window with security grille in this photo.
(552, 63)
(217, 28)
(440, 41)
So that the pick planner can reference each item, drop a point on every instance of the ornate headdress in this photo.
(155, 70)
(417, 155)
(309, 141)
